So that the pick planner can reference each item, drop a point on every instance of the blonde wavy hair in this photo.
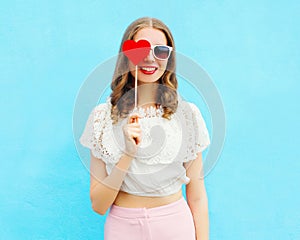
(122, 99)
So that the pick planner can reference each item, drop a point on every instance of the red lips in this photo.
(148, 70)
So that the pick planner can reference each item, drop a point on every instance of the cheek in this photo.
(161, 70)
(131, 68)
(163, 65)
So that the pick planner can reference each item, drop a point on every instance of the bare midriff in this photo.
(127, 200)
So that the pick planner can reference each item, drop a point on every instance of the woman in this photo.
(140, 180)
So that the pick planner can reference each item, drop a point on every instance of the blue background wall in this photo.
(251, 51)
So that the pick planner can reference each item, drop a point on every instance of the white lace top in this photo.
(157, 169)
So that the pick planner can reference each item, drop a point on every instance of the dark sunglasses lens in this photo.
(161, 52)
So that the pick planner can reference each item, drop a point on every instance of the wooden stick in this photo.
(135, 87)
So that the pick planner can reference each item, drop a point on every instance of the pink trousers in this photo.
(173, 221)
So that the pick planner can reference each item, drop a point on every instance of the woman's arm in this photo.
(197, 198)
(105, 188)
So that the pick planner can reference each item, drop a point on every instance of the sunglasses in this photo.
(161, 52)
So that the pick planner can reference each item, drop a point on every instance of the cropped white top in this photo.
(157, 169)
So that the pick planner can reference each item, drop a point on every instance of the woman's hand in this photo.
(132, 134)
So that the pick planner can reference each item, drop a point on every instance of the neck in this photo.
(146, 95)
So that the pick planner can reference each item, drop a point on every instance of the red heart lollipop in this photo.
(136, 51)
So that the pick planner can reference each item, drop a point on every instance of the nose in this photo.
(149, 57)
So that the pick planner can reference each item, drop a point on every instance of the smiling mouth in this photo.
(148, 70)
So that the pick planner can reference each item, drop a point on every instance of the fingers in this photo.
(134, 135)
(133, 118)
(132, 130)
(134, 125)
(132, 138)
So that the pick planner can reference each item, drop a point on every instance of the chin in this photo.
(150, 78)
(143, 81)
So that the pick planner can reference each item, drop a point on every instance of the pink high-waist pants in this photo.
(173, 221)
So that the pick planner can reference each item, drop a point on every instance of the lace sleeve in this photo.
(92, 130)
(201, 133)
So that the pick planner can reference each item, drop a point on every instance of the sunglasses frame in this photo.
(170, 50)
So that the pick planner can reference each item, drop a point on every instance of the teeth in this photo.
(149, 69)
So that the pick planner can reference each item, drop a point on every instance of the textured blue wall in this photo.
(250, 49)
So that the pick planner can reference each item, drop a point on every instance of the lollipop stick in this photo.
(135, 87)
(135, 119)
